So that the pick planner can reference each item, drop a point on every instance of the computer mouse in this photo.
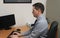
(18, 30)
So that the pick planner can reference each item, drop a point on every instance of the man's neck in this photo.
(38, 15)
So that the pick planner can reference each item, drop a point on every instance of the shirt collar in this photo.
(39, 16)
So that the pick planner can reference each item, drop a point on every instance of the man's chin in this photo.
(35, 16)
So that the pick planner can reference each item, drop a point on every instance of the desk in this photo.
(5, 33)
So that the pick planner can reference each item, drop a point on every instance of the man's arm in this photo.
(27, 32)
(41, 28)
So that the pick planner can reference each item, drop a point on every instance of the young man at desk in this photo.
(40, 27)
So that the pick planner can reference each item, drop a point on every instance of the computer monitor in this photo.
(7, 21)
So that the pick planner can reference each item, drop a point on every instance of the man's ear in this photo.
(39, 10)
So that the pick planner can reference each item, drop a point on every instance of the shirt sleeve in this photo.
(27, 32)
(38, 30)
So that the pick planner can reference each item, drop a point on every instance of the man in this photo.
(40, 27)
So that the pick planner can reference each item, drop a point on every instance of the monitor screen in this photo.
(7, 21)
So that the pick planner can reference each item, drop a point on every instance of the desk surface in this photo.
(5, 33)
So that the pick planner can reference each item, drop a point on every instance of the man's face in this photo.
(35, 12)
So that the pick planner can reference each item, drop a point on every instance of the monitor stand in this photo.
(7, 28)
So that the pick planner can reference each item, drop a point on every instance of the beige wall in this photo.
(53, 11)
(23, 12)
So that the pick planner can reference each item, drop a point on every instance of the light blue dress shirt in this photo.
(40, 28)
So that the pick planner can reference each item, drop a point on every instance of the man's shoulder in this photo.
(42, 21)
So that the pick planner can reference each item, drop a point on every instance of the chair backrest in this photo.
(53, 29)
(48, 20)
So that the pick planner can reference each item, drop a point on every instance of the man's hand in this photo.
(15, 35)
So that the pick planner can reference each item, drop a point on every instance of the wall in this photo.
(53, 11)
(23, 12)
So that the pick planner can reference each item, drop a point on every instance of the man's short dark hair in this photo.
(39, 6)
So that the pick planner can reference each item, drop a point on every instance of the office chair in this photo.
(53, 29)
(48, 20)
